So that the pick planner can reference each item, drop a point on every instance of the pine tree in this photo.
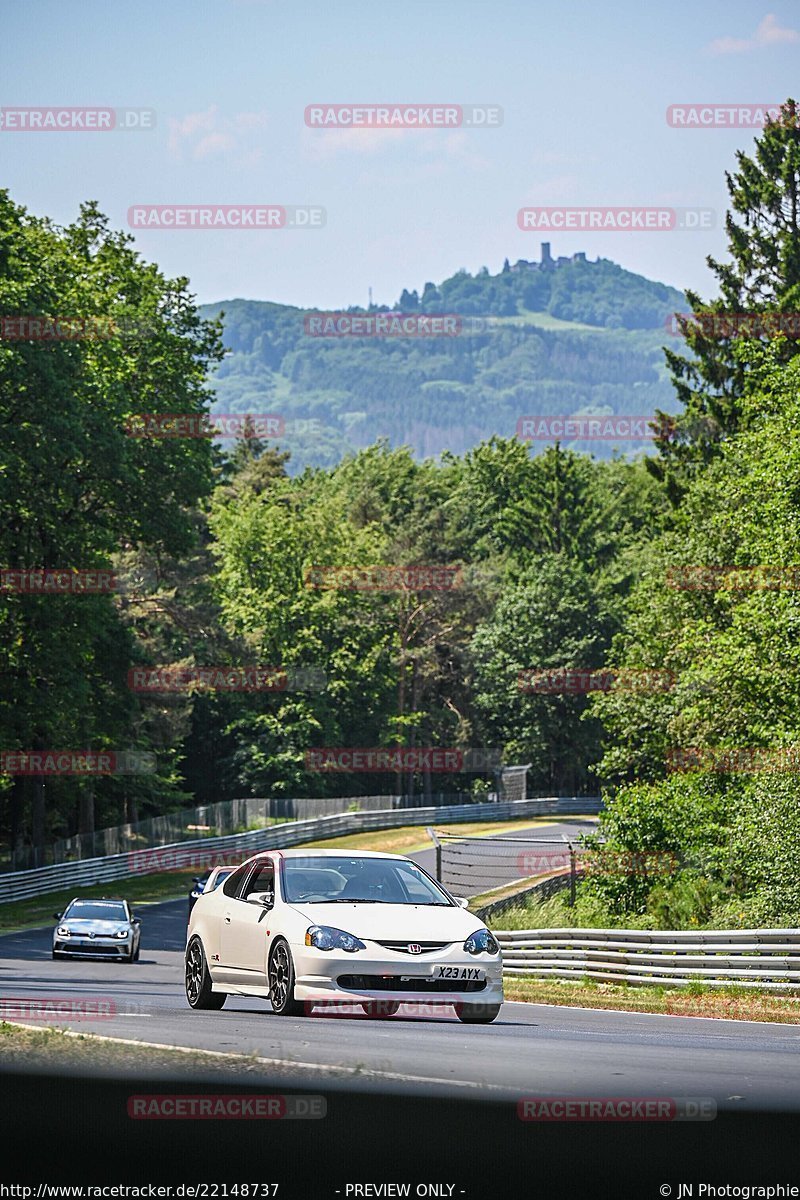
(763, 231)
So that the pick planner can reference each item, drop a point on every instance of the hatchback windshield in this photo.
(97, 910)
(329, 880)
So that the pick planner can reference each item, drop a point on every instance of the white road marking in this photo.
(359, 1072)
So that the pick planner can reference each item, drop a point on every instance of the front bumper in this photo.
(84, 947)
(379, 974)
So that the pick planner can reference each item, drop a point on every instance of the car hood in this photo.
(387, 922)
(82, 925)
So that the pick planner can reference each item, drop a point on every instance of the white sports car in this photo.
(301, 927)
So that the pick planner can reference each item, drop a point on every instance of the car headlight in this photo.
(481, 942)
(121, 933)
(325, 937)
(63, 931)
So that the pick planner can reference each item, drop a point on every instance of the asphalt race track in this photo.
(530, 1050)
(486, 863)
(415, 1098)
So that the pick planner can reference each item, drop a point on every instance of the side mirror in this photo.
(265, 899)
(461, 902)
(195, 879)
(57, 916)
(136, 921)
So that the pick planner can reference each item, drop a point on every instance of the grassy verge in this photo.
(54, 1049)
(695, 1000)
(511, 889)
(410, 838)
(172, 885)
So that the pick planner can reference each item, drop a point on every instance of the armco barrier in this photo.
(219, 819)
(20, 885)
(763, 958)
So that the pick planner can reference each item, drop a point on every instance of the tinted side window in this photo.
(231, 885)
(262, 881)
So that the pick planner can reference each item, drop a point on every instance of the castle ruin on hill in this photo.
(548, 263)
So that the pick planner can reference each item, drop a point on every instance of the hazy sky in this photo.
(584, 88)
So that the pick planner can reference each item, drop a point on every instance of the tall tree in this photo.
(763, 276)
(75, 487)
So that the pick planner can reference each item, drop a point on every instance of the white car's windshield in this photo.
(96, 910)
(332, 880)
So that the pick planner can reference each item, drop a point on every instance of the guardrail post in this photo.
(432, 835)
(572, 874)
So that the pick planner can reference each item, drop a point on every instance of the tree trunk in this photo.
(86, 809)
(17, 819)
(37, 820)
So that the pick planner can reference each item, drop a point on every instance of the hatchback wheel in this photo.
(198, 979)
(281, 982)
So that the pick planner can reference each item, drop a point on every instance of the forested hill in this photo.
(553, 338)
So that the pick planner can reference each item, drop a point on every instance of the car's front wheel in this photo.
(198, 979)
(281, 982)
(477, 1014)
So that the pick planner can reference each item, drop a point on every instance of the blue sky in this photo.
(584, 88)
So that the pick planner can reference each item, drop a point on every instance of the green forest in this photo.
(567, 561)
(577, 338)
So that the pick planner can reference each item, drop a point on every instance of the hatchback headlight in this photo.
(63, 931)
(325, 937)
(121, 933)
(481, 942)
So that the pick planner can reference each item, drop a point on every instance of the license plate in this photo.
(461, 973)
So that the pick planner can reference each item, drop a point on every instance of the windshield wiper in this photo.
(349, 900)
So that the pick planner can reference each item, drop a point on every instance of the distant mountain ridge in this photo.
(560, 336)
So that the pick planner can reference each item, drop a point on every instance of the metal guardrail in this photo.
(220, 819)
(763, 958)
(204, 852)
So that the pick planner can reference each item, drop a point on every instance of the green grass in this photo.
(544, 320)
(694, 1000)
